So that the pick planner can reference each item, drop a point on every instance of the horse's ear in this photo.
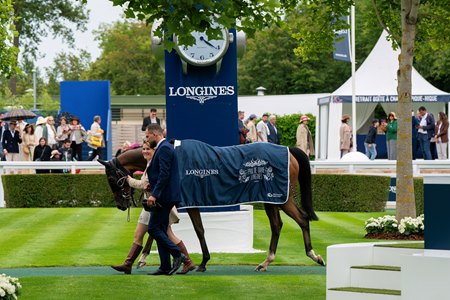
(107, 164)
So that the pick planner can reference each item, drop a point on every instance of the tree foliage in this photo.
(38, 19)
(127, 60)
(67, 66)
(8, 53)
(183, 16)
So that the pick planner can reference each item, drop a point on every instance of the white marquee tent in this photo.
(376, 83)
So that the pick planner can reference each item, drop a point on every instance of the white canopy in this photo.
(376, 83)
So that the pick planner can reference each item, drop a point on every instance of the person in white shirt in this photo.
(262, 129)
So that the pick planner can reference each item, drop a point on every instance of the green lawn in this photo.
(101, 237)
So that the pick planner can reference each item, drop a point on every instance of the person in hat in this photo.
(39, 129)
(304, 136)
(252, 136)
(345, 135)
(371, 139)
(55, 156)
(10, 143)
(77, 136)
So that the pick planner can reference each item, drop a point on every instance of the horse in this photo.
(299, 170)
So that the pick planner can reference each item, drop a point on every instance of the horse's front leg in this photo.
(276, 224)
(196, 219)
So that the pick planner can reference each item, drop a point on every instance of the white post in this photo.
(353, 58)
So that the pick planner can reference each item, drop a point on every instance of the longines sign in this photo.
(201, 93)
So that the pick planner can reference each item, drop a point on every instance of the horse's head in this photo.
(117, 171)
(117, 180)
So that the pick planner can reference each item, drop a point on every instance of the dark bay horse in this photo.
(299, 170)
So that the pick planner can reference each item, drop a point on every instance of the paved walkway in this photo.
(213, 270)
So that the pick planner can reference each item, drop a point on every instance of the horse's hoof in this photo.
(260, 268)
(320, 260)
(201, 269)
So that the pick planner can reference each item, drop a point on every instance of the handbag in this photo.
(95, 141)
(26, 149)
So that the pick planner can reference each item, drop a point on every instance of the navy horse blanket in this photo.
(224, 176)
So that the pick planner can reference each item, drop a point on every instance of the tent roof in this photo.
(377, 76)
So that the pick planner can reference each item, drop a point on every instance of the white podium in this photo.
(229, 231)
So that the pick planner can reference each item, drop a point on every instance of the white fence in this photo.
(379, 167)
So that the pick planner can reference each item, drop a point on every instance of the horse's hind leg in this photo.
(196, 219)
(294, 212)
(276, 224)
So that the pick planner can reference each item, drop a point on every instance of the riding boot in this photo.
(145, 252)
(188, 263)
(128, 264)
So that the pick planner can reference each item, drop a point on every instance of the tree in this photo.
(67, 66)
(38, 19)
(269, 59)
(315, 36)
(8, 53)
(127, 60)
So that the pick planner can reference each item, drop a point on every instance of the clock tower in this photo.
(201, 88)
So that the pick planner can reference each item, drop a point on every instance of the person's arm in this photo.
(138, 183)
(4, 140)
(145, 123)
(430, 123)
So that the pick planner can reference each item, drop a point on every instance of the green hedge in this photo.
(356, 193)
(330, 192)
(57, 190)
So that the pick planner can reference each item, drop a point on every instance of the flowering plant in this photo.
(382, 224)
(412, 226)
(9, 287)
(389, 224)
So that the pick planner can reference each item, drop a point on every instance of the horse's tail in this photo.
(304, 178)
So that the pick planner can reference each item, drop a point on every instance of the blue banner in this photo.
(224, 176)
(86, 99)
(342, 43)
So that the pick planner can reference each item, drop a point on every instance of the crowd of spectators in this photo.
(45, 141)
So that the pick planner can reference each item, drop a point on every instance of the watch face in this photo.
(204, 51)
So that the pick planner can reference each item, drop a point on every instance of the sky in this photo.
(101, 11)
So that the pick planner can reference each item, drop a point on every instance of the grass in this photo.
(369, 291)
(101, 237)
(381, 268)
(417, 245)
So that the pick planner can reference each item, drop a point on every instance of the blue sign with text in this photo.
(201, 101)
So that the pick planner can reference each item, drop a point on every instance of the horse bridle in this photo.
(122, 175)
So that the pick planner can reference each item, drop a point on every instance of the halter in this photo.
(122, 175)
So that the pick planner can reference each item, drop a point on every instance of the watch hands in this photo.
(206, 42)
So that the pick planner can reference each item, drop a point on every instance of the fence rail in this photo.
(420, 167)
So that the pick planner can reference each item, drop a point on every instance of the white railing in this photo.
(6, 166)
(380, 166)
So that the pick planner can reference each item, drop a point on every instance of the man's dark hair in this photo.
(374, 121)
(152, 109)
(155, 128)
(67, 141)
(422, 108)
